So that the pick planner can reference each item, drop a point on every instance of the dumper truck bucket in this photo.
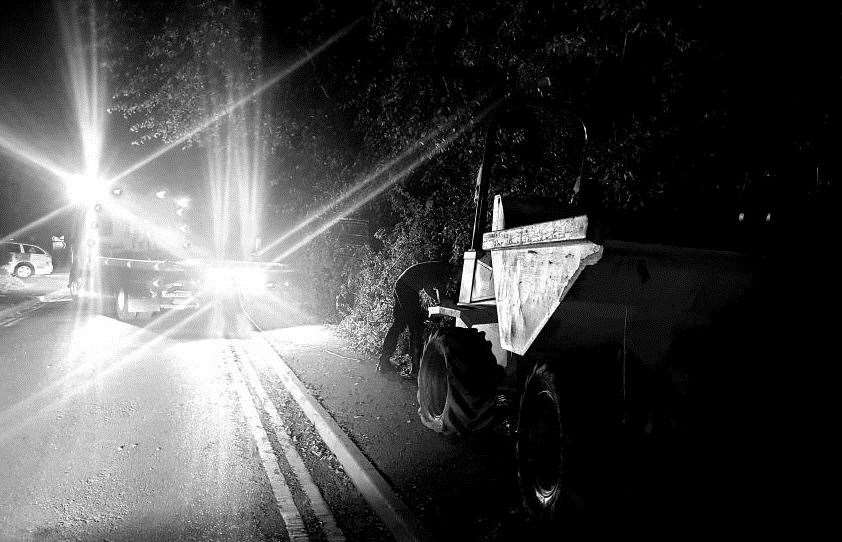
(534, 268)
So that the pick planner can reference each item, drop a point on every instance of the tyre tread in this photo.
(471, 381)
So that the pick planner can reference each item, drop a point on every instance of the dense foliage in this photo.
(690, 107)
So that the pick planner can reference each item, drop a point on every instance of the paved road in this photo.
(14, 290)
(462, 488)
(158, 430)
(108, 431)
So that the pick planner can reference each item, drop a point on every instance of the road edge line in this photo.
(385, 502)
(20, 307)
(322, 511)
(26, 305)
(291, 516)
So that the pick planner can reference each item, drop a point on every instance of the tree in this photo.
(178, 67)
(686, 105)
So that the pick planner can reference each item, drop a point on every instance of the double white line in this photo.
(19, 312)
(239, 366)
(383, 500)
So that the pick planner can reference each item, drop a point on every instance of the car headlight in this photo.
(220, 279)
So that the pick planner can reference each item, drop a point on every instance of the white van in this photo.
(27, 260)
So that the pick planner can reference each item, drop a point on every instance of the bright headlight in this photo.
(252, 280)
(233, 278)
(219, 278)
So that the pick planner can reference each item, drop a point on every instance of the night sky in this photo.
(36, 109)
(31, 87)
(770, 71)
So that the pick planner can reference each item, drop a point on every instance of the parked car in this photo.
(26, 259)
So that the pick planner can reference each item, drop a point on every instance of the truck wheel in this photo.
(75, 287)
(545, 450)
(123, 306)
(457, 381)
(108, 304)
(24, 271)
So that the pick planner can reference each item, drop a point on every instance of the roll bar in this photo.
(483, 178)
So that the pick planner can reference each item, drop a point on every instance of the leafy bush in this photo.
(426, 231)
(676, 124)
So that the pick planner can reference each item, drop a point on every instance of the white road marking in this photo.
(14, 314)
(29, 306)
(320, 507)
(387, 504)
(17, 310)
(289, 512)
(21, 315)
(11, 321)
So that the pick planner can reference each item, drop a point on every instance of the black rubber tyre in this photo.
(545, 451)
(457, 381)
(24, 271)
(566, 441)
(108, 304)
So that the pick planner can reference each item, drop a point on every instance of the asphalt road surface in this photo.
(185, 427)
(14, 291)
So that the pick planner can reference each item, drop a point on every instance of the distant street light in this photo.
(183, 202)
(161, 194)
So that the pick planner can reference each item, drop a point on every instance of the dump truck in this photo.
(135, 253)
(615, 350)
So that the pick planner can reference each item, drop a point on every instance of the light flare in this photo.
(23, 153)
(275, 303)
(236, 104)
(360, 185)
(25, 412)
(384, 181)
(38, 222)
(170, 240)
(87, 89)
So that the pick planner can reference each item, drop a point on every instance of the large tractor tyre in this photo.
(457, 381)
(546, 454)
(566, 443)
(108, 304)
(24, 271)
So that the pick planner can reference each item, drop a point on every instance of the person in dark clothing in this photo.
(432, 277)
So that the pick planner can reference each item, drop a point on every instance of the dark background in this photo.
(36, 110)
(31, 85)
(696, 112)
